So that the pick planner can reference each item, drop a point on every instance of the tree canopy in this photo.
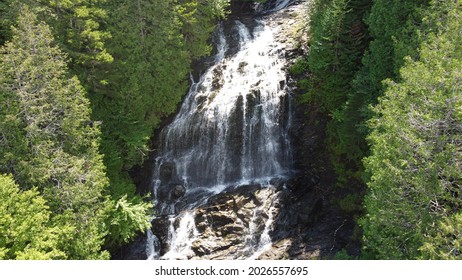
(388, 74)
(414, 208)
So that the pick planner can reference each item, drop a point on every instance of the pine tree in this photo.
(26, 231)
(48, 139)
(77, 25)
(414, 208)
(339, 38)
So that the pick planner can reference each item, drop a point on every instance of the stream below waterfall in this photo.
(222, 163)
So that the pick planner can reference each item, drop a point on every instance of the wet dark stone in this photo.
(219, 220)
(200, 99)
(241, 7)
(282, 84)
(241, 189)
(163, 193)
(199, 249)
(177, 191)
(167, 171)
(136, 250)
(170, 192)
(180, 206)
(278, 182)
(159, 227)
(242, 66)
(218, 81)
(234, 142)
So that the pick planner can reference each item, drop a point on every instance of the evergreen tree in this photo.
(392, 27)
(77, 25)
(414, 208)
(26, 231)
(48, 140)
(339, 38)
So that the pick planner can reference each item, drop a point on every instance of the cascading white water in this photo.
(153, 246)
(229, 128)
(272, 6)
(232, 129)
(255, 247)
(180, 239)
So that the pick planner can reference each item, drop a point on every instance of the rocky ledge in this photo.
(261, 221)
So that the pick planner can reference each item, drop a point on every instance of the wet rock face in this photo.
(178, 191)
(160, 227)
(171, 192)
(167, 171)
(227, 224)
(241, 7)
(252, 222)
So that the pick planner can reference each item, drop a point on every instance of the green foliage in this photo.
(128, 218)
(351, 203)
(346, 65)
(197, 20)
(343, 255)
(4, 28)
(299, 67)
(391, 25)
(339, 38)
(26, 231)
(326, 28)
(445, 240)
(48, 138)
(414, 208)
(133, 57)
(77, 25)
(218, 8)
(346, 69)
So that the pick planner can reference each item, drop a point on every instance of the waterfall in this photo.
(231, 130)
(272, 6)
(181, 239)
